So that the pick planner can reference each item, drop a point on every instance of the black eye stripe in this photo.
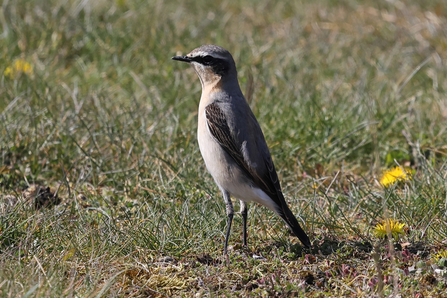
(219, 66)
(207, 60)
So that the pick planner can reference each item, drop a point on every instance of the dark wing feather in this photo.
(267, 181)
(218, 126)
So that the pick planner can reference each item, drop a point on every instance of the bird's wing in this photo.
(266, 179)
(257, 164)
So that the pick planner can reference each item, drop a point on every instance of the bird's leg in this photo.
(244, 211)
(230, 213)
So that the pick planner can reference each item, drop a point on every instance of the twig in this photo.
(413, 73)
(43, 271)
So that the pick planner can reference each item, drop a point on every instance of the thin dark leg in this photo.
(227, 235)
(244, 212)
(230, 213)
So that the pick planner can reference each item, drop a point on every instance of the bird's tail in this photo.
(290, 219)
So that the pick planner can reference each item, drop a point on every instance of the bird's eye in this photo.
(207, 59)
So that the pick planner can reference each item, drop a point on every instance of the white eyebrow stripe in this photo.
(202, 53)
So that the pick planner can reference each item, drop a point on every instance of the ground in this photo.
(103, 192)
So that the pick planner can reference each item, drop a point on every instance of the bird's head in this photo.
(212, 64)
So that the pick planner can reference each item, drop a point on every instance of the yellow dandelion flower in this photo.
(392, 176)
(8, 71)
(18, 67)
(441, 254)
(389, 226)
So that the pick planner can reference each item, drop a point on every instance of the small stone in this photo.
(260, 258)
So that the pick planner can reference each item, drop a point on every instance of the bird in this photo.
(232, 143)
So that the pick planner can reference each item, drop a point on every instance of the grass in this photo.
(93, 108)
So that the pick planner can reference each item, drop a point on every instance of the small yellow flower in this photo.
(392, 176)
(441, 254)
(8, 71)
(389, 226)
(19, 66)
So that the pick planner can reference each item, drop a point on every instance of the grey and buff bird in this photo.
(232, 143)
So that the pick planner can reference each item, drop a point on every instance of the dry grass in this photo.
(102, 188)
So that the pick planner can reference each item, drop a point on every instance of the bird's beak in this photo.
(182, 58)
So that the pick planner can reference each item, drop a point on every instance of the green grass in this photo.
(342, 89)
